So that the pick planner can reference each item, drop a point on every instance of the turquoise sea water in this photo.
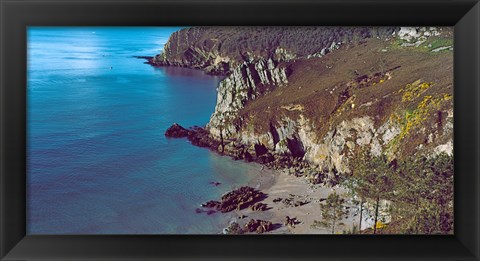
(98, 160)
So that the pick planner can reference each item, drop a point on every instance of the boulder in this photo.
(237, 199)
(258, 226)
(233, 229)
(291, 221)
(259, 207)
(276, 200)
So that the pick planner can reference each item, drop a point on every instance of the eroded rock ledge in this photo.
(258, 153)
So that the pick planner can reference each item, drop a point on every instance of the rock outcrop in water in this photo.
(176, 131)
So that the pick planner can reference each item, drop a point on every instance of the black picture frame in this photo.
(16, 15)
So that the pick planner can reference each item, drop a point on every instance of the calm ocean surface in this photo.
(98, 160)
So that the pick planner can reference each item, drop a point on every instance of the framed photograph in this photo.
(242, 130)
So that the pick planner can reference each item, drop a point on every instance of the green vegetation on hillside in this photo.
(431, 44)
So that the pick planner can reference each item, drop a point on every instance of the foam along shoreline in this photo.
(277, 184)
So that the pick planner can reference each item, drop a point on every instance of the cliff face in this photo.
(246, 82)
(389, 91)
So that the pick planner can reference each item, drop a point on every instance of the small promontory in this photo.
(176, 131)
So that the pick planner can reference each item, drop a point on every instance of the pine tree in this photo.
(333, 212)
(371, 179)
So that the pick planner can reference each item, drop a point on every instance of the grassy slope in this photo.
(315, 84)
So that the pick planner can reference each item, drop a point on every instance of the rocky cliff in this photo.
(296, 97)
(219, 50)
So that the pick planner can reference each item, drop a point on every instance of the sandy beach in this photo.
(278, 186)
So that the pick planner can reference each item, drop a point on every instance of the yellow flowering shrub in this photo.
(380, 225)
(415, 89)
(412, 119)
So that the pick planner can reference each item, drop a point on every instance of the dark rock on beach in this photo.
(233, 229)
(292, 201)
(236, 200)
(259, 207)
(291, 221)
(258, 226)
(253, 226)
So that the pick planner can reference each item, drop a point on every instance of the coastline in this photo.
(304, 130)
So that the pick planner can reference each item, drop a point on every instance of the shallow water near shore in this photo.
(97, 158)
